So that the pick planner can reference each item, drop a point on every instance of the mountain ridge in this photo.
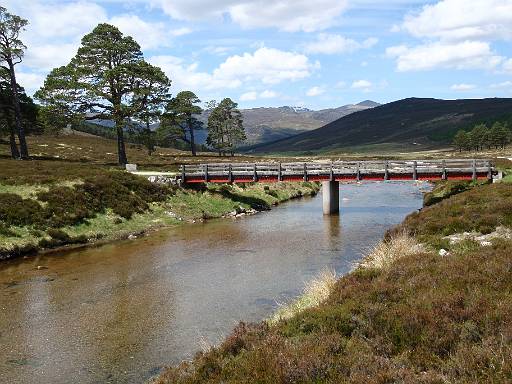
(412, 121)
(267, 124)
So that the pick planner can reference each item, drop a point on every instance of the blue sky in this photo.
(317, 54)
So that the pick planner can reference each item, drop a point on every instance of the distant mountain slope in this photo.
(270, 124)
(409, 121)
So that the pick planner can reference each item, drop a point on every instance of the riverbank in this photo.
(49, 206)
(423, 306)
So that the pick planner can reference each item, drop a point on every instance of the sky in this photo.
(308, 53)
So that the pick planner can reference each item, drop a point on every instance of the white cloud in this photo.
(462, 87)
(181, 31)
(253, 95)
(362, 84)
(186, 76)
(456, 34)
(249, 96)
(286, 15)
(45, 57)
(218, 50)
(56, 20)
(507, 66)
(268, 65)
(265, 65)
(268, 94)
(462, 20)
(460, 55)
(504, 84)
(315, 91)
(331, 44)
(30, 81)
(149, 35)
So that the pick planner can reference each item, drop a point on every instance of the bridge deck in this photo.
(453, 169)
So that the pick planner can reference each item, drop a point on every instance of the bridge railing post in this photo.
(358, 172)
(474, 170)
(305, 172)
(386, 171)
(444, 175)
(206, 173)
(255, 174)
(183, 176)
(489, 171)
(331, 173)
(415, 170)
(280, 172)
(230, 173)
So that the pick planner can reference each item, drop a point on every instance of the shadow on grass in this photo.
(254, 202)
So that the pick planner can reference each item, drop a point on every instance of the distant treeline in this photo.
(483, 136)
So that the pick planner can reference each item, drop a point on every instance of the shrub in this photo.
(444, 190)
(59, 237)
(16, 211)
(5, 231)
(67, 206)
(480, 209)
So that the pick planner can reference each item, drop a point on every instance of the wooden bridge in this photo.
(331, 173)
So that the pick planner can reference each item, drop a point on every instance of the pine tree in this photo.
(225, 127)
(479, 136)
(180, 119)
(107, 79)
(12, 51)
(461, 141)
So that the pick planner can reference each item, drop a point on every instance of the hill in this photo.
(262, 125)
(412, 122)
(270, 124)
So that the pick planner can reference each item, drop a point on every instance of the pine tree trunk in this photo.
(14, 147)
(15, 153)
(149, 140)
(192, 142)
(17, 112)
(121, 149)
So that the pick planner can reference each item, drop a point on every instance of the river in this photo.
(120, 312)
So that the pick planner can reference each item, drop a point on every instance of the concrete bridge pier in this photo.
(331, 197)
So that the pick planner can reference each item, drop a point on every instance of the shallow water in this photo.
(120, 312)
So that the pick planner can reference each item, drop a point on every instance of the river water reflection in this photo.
(119, 312)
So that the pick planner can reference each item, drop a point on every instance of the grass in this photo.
(315, 293)
(403, 315)
(387, 252)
